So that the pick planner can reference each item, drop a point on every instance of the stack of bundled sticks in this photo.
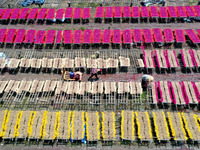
(10, 126)
(140, 63)
(190, 58)
(70, 88)
(164, 90)
(78, 123)
(189, 89)
(81, 88)
(112, 63)
(171, 59)
(177, 127)
(95, 87)
(154, 93)
(123, 87)
(179, 97)
(110, 87)
(144, 126)
(148, 59)
(40, 86)
(25, 63)
(191, 125)
(2, 86)
(14, 63)
(180, 93)
(64, 125)
(124, 62)
(161, 59)
(36, 126)
(15, 86)
(3, 116)
(9, 86)
(36, 63)
(58, 88)
(128, 125)
(67, 63)
(161, 126)
(57, 63)
(108, 126)
(50, 125)
(79, 62)
(47, 63)
(135, 88)
(2, 63)
(91, 63)
(34, 86)
(24, 86)
(101, 63)
(23, 125)
(21, 86)
(92, 126)
(47, 85)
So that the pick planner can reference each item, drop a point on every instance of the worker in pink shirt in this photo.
(94, 73)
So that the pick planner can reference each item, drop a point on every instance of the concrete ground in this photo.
(108, 77)
(83, 147)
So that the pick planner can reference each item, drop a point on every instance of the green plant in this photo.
(94, 4)
(80, 5)
(82, 28)
(25, 100)
(144, 97)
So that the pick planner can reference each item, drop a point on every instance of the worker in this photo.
(94, 73)
(97, 54)
(146, 79)
(71, 74)
(78, 76)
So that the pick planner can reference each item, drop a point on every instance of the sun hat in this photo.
(151, 79)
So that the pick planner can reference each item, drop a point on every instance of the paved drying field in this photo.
(107, 77)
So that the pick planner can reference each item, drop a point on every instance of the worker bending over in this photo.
(74, 76)
(78, 76)
(146, 79)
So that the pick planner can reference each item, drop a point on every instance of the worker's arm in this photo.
(81, 75)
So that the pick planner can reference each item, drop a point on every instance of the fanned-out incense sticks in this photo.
(128, 125)
(144, 126)
(108, 126)
(92, 126)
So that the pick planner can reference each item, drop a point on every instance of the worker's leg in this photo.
(144, 85)
(96, 76)
(90, 77)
